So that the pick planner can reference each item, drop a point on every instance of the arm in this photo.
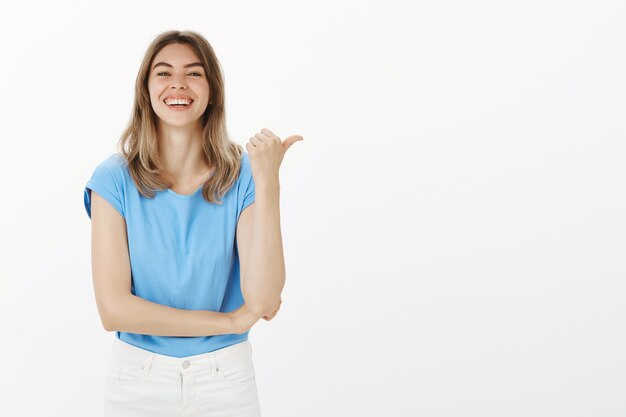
(136, 315)
(119, 309)
(259, 244)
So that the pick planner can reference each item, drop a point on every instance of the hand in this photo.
(271, 316)
(266, 152)
(243, 319)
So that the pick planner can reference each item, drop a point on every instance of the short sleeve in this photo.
(107, 181)
(247, 184)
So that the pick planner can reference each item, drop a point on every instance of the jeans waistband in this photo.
(210, 360)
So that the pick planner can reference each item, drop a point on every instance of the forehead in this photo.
(176, 54)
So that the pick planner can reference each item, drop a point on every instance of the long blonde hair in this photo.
(139, 145)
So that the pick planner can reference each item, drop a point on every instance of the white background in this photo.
(453, 221)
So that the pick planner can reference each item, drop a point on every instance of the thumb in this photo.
(291, 140)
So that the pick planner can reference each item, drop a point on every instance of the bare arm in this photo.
(261, 250)
(137, 315)
(119, 309)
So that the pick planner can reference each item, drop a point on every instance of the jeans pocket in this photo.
(124, 371)
(237, 372)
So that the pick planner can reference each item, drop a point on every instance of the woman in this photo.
(174, 222)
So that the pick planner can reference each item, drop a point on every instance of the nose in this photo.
(179, 81)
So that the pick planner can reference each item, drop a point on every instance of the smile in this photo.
(178, 105)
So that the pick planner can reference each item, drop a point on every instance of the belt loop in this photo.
(213, 364)
(147, 364)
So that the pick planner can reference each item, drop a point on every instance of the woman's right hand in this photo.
(243, 319)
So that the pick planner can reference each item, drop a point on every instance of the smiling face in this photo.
(176, 72)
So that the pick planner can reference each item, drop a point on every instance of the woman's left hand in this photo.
(271, 316)
(266, 152)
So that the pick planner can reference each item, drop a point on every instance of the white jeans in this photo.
(141, 383)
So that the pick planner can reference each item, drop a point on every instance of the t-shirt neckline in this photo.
(183, 196)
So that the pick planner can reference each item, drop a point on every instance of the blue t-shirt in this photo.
(182, 249)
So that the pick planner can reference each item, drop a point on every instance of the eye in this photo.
(197, 73)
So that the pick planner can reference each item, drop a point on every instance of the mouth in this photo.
(179, 106)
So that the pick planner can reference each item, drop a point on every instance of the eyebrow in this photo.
(165, 64)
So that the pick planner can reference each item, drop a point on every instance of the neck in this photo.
(181, 148)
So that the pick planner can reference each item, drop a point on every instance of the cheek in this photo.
(203, 85)
(154, 86)
(155, 95)
(207, 93)
(154, 99)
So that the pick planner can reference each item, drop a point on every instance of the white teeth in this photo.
(177, 101)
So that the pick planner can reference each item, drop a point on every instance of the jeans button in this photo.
(186, 364)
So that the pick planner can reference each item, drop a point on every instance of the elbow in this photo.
(258, 311)
(109, 315)
(262, 308)
(107, 321)
(107, 327)
(113, 310)
(254, 304)
(263, 303)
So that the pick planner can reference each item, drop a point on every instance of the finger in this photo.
(273, 314)
(262, 137)
(251, 149)
(291, 140)
(255, 141)
(267, 132)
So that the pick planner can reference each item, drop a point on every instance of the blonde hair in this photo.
(139, 145)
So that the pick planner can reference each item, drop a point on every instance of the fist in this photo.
(266, 151)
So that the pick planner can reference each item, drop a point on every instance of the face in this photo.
(173, 73)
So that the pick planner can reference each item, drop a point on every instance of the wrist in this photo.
(269, 184)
